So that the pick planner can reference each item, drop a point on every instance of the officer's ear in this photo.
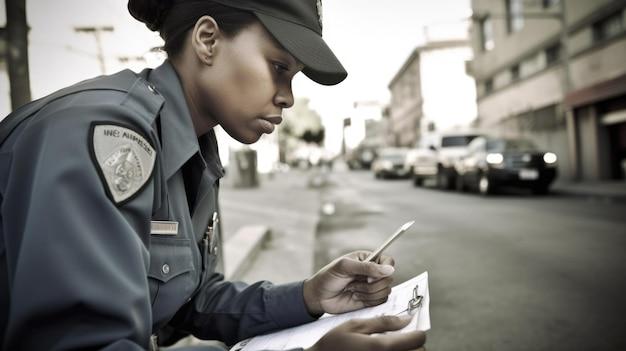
(204, 39)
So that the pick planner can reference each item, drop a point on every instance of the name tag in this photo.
(164, 228)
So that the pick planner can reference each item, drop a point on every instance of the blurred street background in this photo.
(509, 272)
(499, 126)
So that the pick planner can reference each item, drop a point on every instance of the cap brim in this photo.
(308, 47)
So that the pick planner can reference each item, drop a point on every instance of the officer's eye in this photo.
(280, 67)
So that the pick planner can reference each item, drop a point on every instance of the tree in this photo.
(313, 136)
(17, 52)
(301, 125)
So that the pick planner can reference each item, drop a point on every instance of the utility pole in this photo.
(346, 123)
(97, 33)
(17, 52)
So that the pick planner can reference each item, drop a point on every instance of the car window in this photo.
(510, 145)
(393, 155)
(459, 140)
(476, 145)
(520, 145)
(495, 145)
(394, 158)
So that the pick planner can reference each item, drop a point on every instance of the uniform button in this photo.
(152, 88)
(165, 269)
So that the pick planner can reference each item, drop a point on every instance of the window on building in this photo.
(514, 15)
(486, 34)
(546, 4)
(488, 86)
(608, 27)
(515, 73)
(532, 64)
(553, 54)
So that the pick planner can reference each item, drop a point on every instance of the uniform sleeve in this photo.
(76, 263)
(234, 311)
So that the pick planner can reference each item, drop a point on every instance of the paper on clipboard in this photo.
(308, 334)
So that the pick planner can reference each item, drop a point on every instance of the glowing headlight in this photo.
(494, 159)
(387, 164)
(549, 158)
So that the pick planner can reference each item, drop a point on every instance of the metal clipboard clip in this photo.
(414, 304)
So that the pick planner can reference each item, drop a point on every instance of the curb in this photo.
(591, 196)
(602, 192)
(242, 248)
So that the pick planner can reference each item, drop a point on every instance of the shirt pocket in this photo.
(170, 275)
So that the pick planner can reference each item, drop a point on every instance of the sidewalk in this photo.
(289, 207)
(609, 191)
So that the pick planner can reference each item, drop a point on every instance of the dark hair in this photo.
(174, 18)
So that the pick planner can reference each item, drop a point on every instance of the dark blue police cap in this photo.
(297, 26)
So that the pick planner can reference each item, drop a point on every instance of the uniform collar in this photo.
(178, 137)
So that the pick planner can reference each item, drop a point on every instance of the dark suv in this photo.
(493, 162)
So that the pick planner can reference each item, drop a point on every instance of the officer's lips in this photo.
(267, 123)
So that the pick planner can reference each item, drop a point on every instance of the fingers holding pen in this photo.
(381, 259)
(371, 293)
(384, 259)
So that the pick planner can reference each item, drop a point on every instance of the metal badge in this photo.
(164, 228)
(212, 233)
(126, 160)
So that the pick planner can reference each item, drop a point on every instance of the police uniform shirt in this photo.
(82, 175)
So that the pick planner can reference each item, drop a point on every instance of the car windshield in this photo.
(510, 145)
(393, 155)
(455, 141)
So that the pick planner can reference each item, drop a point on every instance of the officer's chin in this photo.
(248, 139)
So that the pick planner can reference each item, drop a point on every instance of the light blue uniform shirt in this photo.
(80, 269)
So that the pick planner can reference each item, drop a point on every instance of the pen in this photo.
(374, 255)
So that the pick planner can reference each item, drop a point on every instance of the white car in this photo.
(390, 163)
(423, 165)
(437, 161)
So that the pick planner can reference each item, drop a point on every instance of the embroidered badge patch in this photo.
(125, 158)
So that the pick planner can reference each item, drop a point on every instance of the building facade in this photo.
(405, 107)
(553, 71)
(431, 92)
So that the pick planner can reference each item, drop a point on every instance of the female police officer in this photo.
(108, 187)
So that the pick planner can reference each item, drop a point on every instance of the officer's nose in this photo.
(284, 97)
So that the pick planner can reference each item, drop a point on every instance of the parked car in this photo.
(423, 164)
(390, 163)
(494, 162)
(361, 157)
(438, 161)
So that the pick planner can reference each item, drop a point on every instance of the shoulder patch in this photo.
(125, 159)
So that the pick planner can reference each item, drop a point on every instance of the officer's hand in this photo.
(348, 284)
(355, 335)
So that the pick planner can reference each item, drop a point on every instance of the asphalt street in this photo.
(508, 272)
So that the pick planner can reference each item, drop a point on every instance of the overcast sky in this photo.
(372, 38)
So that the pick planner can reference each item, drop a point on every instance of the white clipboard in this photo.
(411, 297)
